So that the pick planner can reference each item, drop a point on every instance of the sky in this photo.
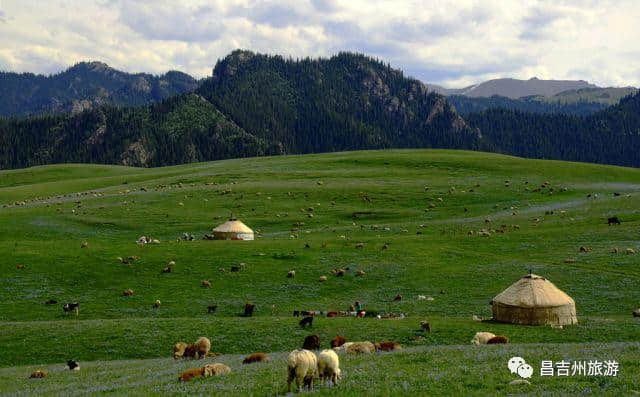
(452, 43)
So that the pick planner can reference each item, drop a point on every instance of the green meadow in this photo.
(409, 211)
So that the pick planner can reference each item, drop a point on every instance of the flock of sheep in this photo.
(304, 366)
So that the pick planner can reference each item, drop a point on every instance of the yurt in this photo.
(233, 229)
(534, 300)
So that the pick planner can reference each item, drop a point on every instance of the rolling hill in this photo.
(310, 213)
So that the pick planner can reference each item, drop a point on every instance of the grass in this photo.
(412, 201)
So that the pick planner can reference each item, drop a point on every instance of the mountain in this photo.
(514, 88)
(86, 85)
(345, 102)
(252, 105)
(186, 128)
(534, 104)
(610, 136)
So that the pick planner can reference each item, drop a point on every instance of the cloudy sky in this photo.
(454, 43)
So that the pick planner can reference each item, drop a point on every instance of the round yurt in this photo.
(534, 300)
(233, 229)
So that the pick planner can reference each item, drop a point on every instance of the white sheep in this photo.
(481, 338)
(302, 365)
(356, 347)
(329, 366)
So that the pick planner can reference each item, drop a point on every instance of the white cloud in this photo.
(454, 43)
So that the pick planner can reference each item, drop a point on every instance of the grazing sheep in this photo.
(322, 279)
(360, 273)
(498, 339)
(179, 349)
(425, 326)
(306, 321)
(156, 304)
(311, 342)
(248, 309)
(84, 244)
(127, 292)
(73, 365)
(190, 374)
(255, 358)
(481, 338)
(329, 366)
(71, 307)
(340, 272)
(291, 274)
(211, 308)
(613, 221)
(302, 365)
(397, 298)
(630, 251)
(584, 249)
(215, 369)
(20, 266)
(476, 318)
(387, 346)
(614, 250)
(636, 313)
(205, 283)
(338, 341)
(360, 245)
(37, 374)
(203, 345)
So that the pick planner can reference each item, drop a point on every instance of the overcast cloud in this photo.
(454, 43)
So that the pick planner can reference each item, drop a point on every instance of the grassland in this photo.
(411, 201)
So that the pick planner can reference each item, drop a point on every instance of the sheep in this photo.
(156, 304)
(71, 307)
(203, 345)
(84, 244)
(584, 249)
(308, 320)
(255, 358)
(178, 350)
(614, 220)
(211, 308)
(356, 347)
(190, 374)
(360, 245)
(360, 273)
(498, 339)
(425, 326)
(37, 374)
(338, 341)
(322, 279)
(51, 302)
(340, 272)
(387, 346)
(73, 365)
(422, 297)
(329, 366)
(302, 365)
(636, 313)
(291, 274)
(215, 369)
(205, 283)
(248, 309)
(481, 338)
(127, 292)
(311, 342)
(397, 298)
(630, 251)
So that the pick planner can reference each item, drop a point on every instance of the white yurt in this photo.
(233, 229)
(534, 300)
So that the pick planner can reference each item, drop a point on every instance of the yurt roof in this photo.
(233, 226)
(533, 291)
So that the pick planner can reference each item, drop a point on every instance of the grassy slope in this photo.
(271, 194)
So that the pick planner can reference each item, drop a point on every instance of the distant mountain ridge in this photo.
(86, 85)
(255, 104)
